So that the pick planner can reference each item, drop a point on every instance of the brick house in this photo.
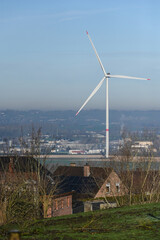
(90, 182)
(112, 185)
(60, 205)
(20, 174)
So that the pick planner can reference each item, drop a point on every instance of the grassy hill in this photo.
(135, 222)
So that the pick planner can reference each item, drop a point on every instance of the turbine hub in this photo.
(107, 75)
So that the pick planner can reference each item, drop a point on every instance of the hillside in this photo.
(64, 123)
(135, 222)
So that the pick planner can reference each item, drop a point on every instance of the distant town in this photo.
(62, 133)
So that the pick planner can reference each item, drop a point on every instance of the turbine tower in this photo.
(106, 76)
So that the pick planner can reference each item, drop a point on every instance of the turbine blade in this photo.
(99, 60)
(121, 76)
(91, 95)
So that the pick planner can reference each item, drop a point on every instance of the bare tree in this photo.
(26, 187)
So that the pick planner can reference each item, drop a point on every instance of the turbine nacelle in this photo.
(108, 75)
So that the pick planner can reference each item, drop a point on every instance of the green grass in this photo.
(119, 223)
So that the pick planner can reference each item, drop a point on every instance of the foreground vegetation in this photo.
(134, 222)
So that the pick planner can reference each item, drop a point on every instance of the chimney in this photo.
(11, 166)
(72, 164)
(86, 170)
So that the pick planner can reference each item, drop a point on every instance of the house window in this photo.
(56, 205)
(118, 187)
(67, 201)
(108, 188)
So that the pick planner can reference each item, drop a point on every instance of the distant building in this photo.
(143, 145)
(76, 152)
(95, 151)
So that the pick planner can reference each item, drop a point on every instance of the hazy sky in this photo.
(47, 62)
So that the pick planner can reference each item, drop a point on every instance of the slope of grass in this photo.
(135, 222)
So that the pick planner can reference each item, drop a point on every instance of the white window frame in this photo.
(108, 185)
(118, 185)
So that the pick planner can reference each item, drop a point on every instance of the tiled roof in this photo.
(80, 185)
(95, 172)
(20, 164)
(21, 168)
(69, 171)
(72, 178)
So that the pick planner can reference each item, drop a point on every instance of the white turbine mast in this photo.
(106, 76)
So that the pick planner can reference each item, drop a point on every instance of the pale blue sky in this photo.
(47, 62)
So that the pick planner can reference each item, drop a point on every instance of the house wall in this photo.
(60, 206)
(87, 206)
(111, 183)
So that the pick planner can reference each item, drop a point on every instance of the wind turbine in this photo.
(106, 76)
